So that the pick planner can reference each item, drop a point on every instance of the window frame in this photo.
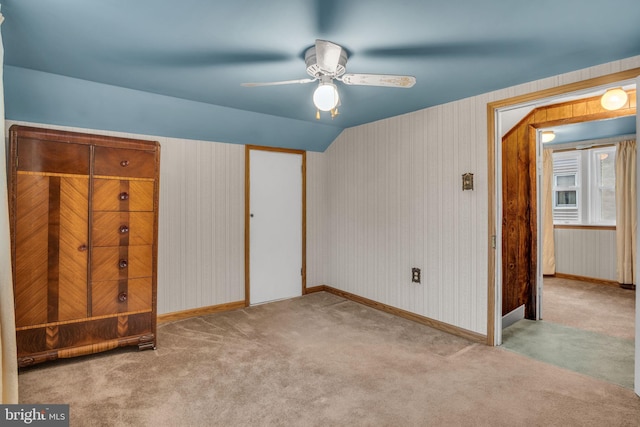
(577, 187)
(596, 187)
(588, 188)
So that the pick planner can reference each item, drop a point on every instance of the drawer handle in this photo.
(122, 263)
(123, 196)
(82, 248)
(124, 229)
(122, 296)
(124, 163)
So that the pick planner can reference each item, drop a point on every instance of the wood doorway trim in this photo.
(247, 208)
(492, 110)
(520, 193)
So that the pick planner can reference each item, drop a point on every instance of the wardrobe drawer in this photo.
(122, 195)
(121, 262)
(56, 157)
(122, 229)
(121, 296)
(124, 162)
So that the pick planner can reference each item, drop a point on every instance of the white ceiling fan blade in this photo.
(285, 82)
(327, 56)
(387, 80)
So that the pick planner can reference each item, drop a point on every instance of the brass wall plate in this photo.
(467, 181)
(415, 275)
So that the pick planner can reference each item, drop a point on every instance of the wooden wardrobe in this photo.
(84, 227)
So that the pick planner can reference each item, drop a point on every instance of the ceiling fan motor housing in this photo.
(315, 71)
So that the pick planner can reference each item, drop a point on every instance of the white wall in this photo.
(201, 224)
(201, 221)
(586, 252)
(383, 198)
(396, 202)
(318, 248)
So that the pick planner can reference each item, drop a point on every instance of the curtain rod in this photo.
(589, 142)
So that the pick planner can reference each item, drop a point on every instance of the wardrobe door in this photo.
(51, 232)
(32, 250)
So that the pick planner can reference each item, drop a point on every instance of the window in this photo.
(584, 185)
(566, 187)
(604, 195)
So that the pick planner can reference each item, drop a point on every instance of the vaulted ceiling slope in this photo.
(174, 68)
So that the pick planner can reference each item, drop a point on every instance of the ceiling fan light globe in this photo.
(326, 97)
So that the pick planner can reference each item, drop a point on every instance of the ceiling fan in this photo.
(326, 62)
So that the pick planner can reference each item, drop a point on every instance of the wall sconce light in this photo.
(548, 136)
(467, 181)
(614, 99)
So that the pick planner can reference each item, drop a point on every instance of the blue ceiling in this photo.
(594, 130)
(171, 68)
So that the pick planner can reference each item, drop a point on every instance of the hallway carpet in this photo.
(591, 353)
(587, 327)
(608, 310)
(320, 360)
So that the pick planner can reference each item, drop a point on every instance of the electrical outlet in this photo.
(415, 275)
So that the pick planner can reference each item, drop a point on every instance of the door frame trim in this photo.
(493, 211)
(527, 130)
(247, 208)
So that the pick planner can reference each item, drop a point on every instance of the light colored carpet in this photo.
(588, 328)
(320, 360)
(608, 310)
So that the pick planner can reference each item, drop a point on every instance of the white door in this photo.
(275, 225)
